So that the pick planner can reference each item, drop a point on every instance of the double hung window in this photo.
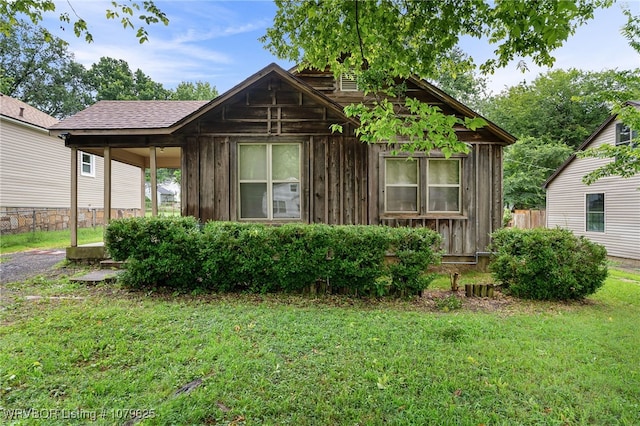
(269, 181)
(595, 212)
(422, 185)
(87, 164)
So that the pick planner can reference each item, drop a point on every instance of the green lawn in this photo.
(298, 360)
(47, 239)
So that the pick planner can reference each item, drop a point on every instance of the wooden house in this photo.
(264, 151)
(608, 211)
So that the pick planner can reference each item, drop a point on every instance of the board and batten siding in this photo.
(35, 173)
(566, 203)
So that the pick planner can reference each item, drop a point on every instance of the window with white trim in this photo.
(87, 164)
(405, 193)
(594, 207)
(269, 181)
(625, 135)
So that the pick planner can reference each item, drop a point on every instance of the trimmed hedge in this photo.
(548, 264)
(229, 256)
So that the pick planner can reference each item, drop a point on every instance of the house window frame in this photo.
(588, 213)
(632, 135)
(91, 163)
(423, 185)
(269, 181)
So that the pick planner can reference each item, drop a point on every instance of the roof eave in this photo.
(465, 110)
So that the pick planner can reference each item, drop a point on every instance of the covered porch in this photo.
(137, 133)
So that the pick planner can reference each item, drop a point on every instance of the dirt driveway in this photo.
(27, 264)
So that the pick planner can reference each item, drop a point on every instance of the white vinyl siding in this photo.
(35, 171)
(566, 203)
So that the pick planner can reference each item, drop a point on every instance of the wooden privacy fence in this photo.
(528, 219)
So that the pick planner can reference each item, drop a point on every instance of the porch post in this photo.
(154, 181)
(73, 214)
(107, 186)
(143, 199)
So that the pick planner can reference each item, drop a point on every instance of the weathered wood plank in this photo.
(222, 188)
(207, 178)
(193, 176)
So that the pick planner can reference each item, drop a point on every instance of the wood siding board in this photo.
(234, 185)
(483, 206)
(193, 177)
(373, 184)
(333, 183)
(319, 154)
(470, 194)
(222, 187)
(207, 179)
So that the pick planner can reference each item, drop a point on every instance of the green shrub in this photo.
(548, 264)
(227, 256)
(160, 251)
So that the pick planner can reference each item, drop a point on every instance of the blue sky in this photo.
(217, 41)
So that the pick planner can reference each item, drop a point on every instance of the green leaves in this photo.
(34, 10)
(415, 125)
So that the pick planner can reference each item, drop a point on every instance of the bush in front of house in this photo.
(547, 264)
(228, 256)
(159, 251)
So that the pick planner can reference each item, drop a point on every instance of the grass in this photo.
(47, 239)
(298, 360)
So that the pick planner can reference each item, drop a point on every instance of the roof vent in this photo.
(21, 114)
(348, 82)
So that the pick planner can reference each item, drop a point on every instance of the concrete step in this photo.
(98, 277)
(111, 264)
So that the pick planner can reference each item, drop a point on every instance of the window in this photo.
(595, 212)
(405, 193)
(625, 136)
(269, 181)
(348, 82)
(401, 185)
(87, 164)
(443, 186)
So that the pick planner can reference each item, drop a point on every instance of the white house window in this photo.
(348, 82)
(401, 185)
(625, 136)
(595, 212)
(405, 193)
(87, 164)
(443, 185)
(269, 181)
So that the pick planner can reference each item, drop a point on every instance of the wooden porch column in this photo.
(154, 181)
(107, 186)
(143, 199)
(73, 214)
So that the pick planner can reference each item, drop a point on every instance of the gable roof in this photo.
(16, 109)
(463, 109)
(272, 69)
(165, 117)
(448, 100)
(586, 143)
(118, 115)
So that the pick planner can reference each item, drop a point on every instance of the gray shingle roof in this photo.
(18, 110)
(104, 115)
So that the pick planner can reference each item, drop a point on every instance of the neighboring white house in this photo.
(35, 181)
(168, 193)
(608, 211)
